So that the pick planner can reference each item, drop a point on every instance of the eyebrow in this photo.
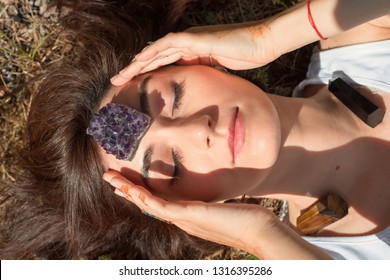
(146, 162)
(144, 104)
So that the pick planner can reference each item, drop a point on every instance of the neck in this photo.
(324, 149)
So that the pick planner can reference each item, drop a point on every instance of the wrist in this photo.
(291, 29)
(264, 48)
(277, 240)
(265, 223)
(308, 22)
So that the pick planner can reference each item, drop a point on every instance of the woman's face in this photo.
(212, 137)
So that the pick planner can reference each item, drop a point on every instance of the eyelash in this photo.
(177, 161)
(178, 92)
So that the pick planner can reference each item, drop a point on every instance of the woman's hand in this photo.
(234, 46)
(235, 225)
(251, 228)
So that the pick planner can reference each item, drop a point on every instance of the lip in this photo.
(236, 137)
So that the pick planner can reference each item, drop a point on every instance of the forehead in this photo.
(194, 73)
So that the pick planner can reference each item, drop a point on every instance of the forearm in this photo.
(278, 241)
(291, 29)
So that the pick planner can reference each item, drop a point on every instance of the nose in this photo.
(192, 132)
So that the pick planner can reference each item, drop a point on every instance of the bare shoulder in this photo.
(382, 22)
(375, 30)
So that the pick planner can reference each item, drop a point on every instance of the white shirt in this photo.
(369, 247)
(366, 64)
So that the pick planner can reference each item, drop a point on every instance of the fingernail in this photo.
(114, 78)
(106, 178)
(113, 181)
(118, 80)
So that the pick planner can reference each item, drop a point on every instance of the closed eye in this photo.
(178, 167)
(178, 92)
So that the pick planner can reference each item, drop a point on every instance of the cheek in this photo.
(219, 185)
(271, 142)
(272, 148)
(263, 135)
(203, 187)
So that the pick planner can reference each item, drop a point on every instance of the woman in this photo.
(331, 143)
(210, 123)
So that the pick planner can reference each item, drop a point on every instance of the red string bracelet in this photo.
(313, 23)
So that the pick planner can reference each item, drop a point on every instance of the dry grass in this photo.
(30, 41)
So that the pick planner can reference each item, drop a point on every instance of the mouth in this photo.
(236, 137)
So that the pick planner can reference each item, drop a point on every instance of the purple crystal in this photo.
(118, 129)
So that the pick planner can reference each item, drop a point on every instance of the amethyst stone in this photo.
(118, 129)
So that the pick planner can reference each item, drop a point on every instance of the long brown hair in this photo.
(64, 208)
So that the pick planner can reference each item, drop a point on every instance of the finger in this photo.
(158, 57)
(179, 59)
(120, 183)
(110, 175)
(153, 205)
(123, 188)
(128, 73)
(124, 195)
(118, 80)
(161, 62)
(142, 197)
(137, 67)
(169, 41)
(129, 198)
(138, 193)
